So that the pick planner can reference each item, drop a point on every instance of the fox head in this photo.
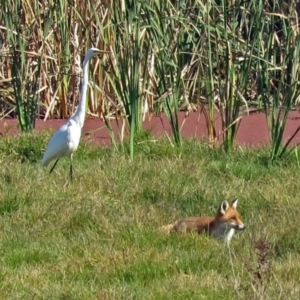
(227, 214)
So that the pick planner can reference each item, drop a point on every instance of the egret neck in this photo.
(79, 115)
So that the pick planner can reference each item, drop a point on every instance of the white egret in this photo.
(66, 139)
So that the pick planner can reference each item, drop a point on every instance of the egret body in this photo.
(66, 139)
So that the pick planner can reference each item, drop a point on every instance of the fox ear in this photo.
(224, 206)
(234, 203)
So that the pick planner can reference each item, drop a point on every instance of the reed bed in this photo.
(158, 56)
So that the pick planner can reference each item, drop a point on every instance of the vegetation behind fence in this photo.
(157, 56)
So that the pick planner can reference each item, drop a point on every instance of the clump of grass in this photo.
(27, 147)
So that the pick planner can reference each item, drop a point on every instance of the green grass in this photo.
(97, 237)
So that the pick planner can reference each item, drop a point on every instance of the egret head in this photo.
(91, 52)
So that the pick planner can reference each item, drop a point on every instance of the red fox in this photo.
(222, 226)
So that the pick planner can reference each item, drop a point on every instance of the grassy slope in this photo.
(97, 238)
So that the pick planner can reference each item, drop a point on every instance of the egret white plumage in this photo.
(66, 139)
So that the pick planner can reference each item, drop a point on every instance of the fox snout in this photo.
(239, 226)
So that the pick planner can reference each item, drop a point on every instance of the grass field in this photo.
(97, 238)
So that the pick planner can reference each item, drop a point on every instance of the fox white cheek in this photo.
(229, 235)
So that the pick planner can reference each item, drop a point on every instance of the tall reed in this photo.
(167, 32)
(278, 82)
(128, 61)
(27, 57)
(46, 53)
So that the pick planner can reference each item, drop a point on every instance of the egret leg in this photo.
(71, 166)
(54, 166)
